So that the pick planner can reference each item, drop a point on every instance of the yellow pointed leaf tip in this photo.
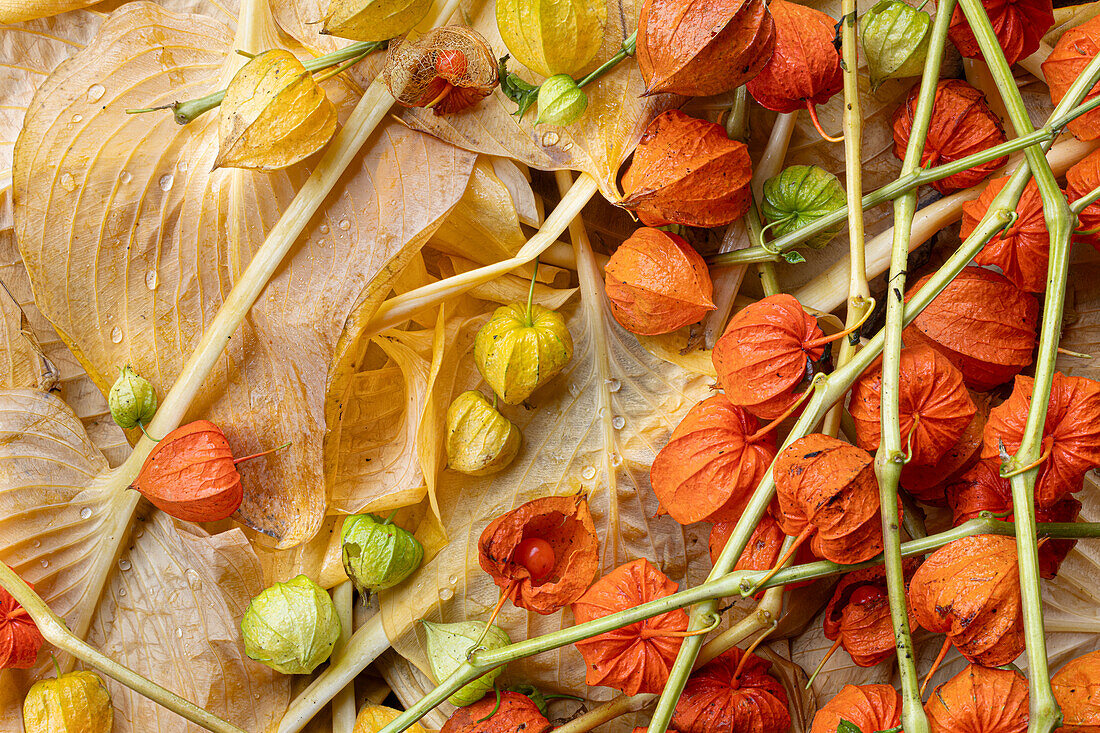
(374, 20)
(517, 355)
(552, 36)
(274, 114)
(77, 701)
(374, 718)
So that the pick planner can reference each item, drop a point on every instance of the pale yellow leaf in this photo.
(374, 20)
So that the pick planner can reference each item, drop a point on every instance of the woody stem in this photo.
(791, 548)
(1045, 714)
(57, 633)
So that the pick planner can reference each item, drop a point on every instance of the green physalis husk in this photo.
(561, 101)
(800, 195)
(291, 627)
(517, 355)
(132, 399)
(377, 555)
(77, 702)
(536, 696)
(480, 440)
(448, 645)
(895, 40)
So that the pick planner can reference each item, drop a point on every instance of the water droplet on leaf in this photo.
(116, 335)
(95, 92)
(125, 177)
(618, 422)
(588, 472)
(166, 182)
(151, 279)
(124, 564)
(67, 182)
(86, 513)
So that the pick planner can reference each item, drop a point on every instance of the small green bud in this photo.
(480, 440)
(561, 101)
(895, 40)
(291, 627)
(516, 355)
(448, 645)
(132, 399)
(799, 196)
(378, 556)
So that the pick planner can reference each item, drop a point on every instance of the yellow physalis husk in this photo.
(552, 36)
(274, 114)
(517, 355)
(374, 718)
(480, 440)
(374, 20)
(77, 702)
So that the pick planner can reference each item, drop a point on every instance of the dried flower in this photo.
(132, 399)
(799, 196)
(1021, 251)
(1074, 50)
(926, 483)
(77, 702)
(983, 323)
(687, 171)
(637, 657)
(291, 627)
(1019, 25)
(480, 440)
(969, 590)
(1071, 433)
(551, 38)
(827, 489)
(373, 718)
(894, 37)
(934, 406)
(858, 616)
(561, 101)
(1077, 690)
(805, 69)
(378, 555)
(20, 639)
(712, 463)
(373, 20)
(657, 283)
(565, 523)
(1081, 179)
(980, 699)
(717, 698)
(516, 713)
(449, 69)
(448, 646)
(962, 124)
(765, 354)
(869, 707)
(518, 351)
(703, 47)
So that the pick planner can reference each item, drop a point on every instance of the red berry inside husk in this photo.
(537, 556)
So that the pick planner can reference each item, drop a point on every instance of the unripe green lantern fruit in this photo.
(291, 627)
(378, 555)
(448, 645)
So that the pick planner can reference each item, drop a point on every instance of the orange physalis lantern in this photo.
(448, 69)
(934, 405)
(191, 474)
(712, 463)
(868, 707)
(687, 171)
(637, 657)
(699, 48)
(1074, 50)
(1071, 433)
(1019, 25)
(1077, 690)
(516, 713)
(657, 282)
(562, 522)
(962, 124)
(983, 323)
(20, 639)
(804, 69)
(733, 692)
(763, 550)
(767, 351)
(858, 616)
(1081, 179)
(980, 699)
(982, 489)
(827, 490)
(926, 483)
(1022, 250)
(969, 590)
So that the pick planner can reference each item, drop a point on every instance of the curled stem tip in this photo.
(850, 329)
(935, 665)
(817, 124)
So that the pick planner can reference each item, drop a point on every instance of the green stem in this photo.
(890, 457)
(531, 292)
(1083, 203)
(628, 49)
(768, 280)
(1047, 133)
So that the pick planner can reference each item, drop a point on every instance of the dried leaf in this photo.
(373, 718)
(713, 699)
(869, 707)
(1077, 690)
(1071, 54)
(1019, 25)
(1022, 250)
(374, 20)
(980, 699)
(17, 11)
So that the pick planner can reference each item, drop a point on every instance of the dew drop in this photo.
(37, 544)
(95, 92)
(166, 182)
(574, 390)
(179, 633)
(344, 225)
(182, 165)
(151, 279)
(550, 138)
(67, 182)
(588, 472)
(124, 564)
(613, 385)
(618, 422)
(193, 579)
(125, 177)
(86, 513)
(446, 594)
(78, 117)
(616, 460)
(323, 229)
(116, 335)
(122, 591)
(453, 580)
(45, 563)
